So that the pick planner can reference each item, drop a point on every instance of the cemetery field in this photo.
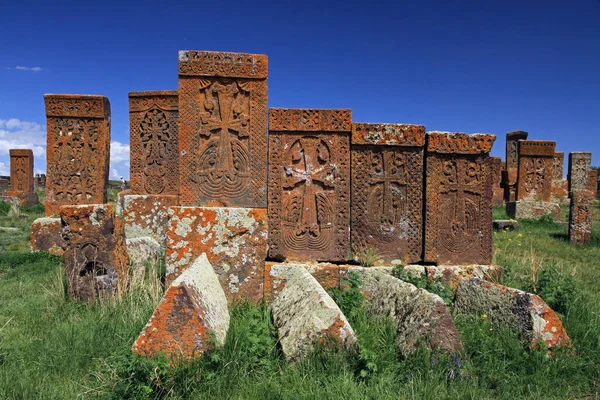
(53, 347)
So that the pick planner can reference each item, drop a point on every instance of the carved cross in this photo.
(454, 184)
(389, 171)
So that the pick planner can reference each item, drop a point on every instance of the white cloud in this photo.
(119, 152)
(4, 169)
(34, 69)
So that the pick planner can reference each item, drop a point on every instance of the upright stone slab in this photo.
(223, 129)
(512, 163)
(560, 186)
(95, 255)
(21, 175)
(593, 182)
(153, 142)
(580, 164)
(536, 169)
(387, 190)
(497, 166)
(147, 216)
(234, 240)
(309, 184)
(580, 216)
(78, 150)
(458, 225)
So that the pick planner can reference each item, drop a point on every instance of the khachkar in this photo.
(497, 167)
(512, 164)
(21, 176)
(222, 129)
(560, 189)
(309, 184)
(458, 224)
(580, 163)
(154, 132)
(534, 181)
(582, 191)
(78, 150)
(387, 190)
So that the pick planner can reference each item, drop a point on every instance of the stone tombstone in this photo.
(580, 216)
(558, 165)
(21, 172)
(536, 168)
(387, 190)
(78, 150)
(512, 163)
(223, 129)
(580, 164)
(154, 147)
(458, 221)
(497, 166)
(593, 181)
(309, 184)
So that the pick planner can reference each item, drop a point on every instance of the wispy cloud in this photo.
(22, 68)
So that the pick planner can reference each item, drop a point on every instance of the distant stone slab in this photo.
(512, 308)
(422, 318)
(191, 318)
(501, 224)
(46, 235)
(532, 209)
(304, 314)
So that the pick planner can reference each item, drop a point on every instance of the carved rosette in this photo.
(309, 176)
(78, 150)
(154, 142)
(223, 106)
(458, 204)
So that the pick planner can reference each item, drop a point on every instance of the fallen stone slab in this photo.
(501, 224)
(191, 318)
(531, 209)
(304, 314)
(147, 215)
(512, 308)
(46, 235)
(422, 318)
(142, 251)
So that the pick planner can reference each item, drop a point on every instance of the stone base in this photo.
(46, 235)
(529, 209)
(147, 216)
(233, 239)
(190, 319)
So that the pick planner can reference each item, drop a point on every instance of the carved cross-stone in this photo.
(388, 177)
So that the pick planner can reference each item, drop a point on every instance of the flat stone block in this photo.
(501, 224)
(529, 209)
(46, 235)
(147, 216)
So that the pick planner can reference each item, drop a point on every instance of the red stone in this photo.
(536, 168)
(78, 150)
(387, 190)
(580, 216)
(147, 216)
(458, 226)
(21, 176)
(223, 129)
(512, 164)
(309, 184)
(153, 118)
(497, 167)
(46, 235)
(579, 167)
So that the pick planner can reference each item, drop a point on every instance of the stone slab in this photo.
(191, 318)
(501, 224)
(529, 209)
(536, 168)
(580, 216)
(46, 235)
(21, 176)
(148, 216)
(580, 164)
(512, 164)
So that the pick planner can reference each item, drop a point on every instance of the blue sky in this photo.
(465, 66)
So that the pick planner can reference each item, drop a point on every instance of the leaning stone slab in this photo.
(305, 314)
(191, 318)
(46, 235)
(422, 318)
(512, 308)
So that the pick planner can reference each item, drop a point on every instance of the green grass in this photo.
(53, 347)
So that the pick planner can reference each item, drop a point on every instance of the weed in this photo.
(367, 256)
(348, 297)
(436, 286)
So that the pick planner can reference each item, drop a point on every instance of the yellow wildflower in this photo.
(484, 316)
(520, 235)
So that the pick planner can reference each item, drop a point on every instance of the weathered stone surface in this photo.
(191, 318)
(142, 250)
(422, 318)
(580, 164)
(536, 167)
(234, 240)
(512, 308)
(120, 202)
(46, 235)
(223, 129)
(387, 190)
(558, 166)
(452, 274)
(512, 164)
(328, 275)
(154, 142)
(593, 182)
(147, 215)
(21, 176)
(501, 224)
(458, 226)
(309, 184)
(560, 186)
(78, 131)
(580, 216)
(497, 166)
(95, 255)
(531, 209)
(304, 314)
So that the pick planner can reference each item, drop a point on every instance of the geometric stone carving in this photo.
(78, 150)
(512, 163)
(387, 190)
(21, 172)
(309, 184)
(497, 166)
(580, 164)
(558, 166)
(536, 168)
(560, 186)
(153, 139)
(223, 129)
(458, 225)
(580, 216)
